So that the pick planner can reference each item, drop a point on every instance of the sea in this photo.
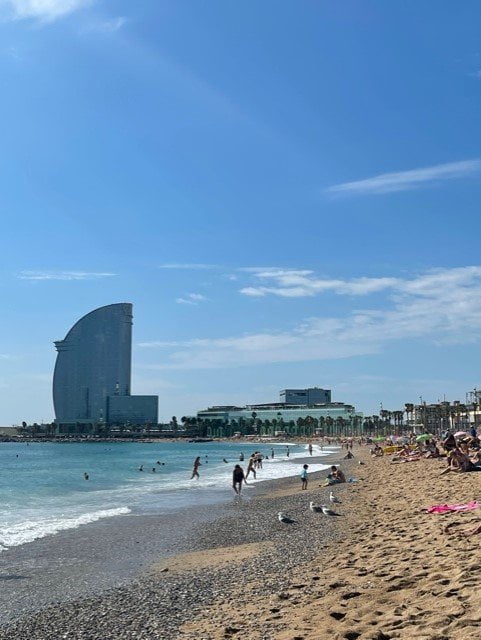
(43, 489)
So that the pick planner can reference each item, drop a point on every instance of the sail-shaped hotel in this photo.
(91, 382)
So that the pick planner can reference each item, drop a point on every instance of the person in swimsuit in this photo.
(251, 466)
(238, 478)
(195, 470)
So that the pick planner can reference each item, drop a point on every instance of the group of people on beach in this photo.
(462, 450)
(254, 464)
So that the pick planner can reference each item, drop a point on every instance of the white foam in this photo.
(31, 530)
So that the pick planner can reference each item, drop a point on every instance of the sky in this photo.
(287, 191)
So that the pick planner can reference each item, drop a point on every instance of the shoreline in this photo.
(114, 552)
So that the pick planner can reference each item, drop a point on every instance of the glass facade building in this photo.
(93, 364)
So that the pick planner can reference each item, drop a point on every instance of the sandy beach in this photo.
(385, 569)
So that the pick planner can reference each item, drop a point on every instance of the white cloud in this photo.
(43, 10)
(62, 275)
(191, 298)
(404, 180)
(187, 265)
(441, 306)
(294, 283)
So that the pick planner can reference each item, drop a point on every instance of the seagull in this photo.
(282, 517)
(333, 498)
(315, 507)
(328, 512)
(361, 462)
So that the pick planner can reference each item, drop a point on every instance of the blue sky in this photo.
(288, 193)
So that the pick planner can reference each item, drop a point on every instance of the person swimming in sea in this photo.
(86, 475)
(141, 468)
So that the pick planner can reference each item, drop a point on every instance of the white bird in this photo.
(315, 507)
(328, 512)
(333, 498)
(282, 517)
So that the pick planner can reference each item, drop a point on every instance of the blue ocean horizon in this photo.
(43, 489)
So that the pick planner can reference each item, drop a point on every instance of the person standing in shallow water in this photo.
(310, 449)
(238, 478)
(195, 470)
(251, 466)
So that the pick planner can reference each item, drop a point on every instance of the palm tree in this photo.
(340, 423)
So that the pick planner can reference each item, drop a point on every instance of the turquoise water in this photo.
(43, 490)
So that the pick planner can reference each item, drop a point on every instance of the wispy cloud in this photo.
(440, 306)
(191, 298)
(184, 265)
(299, 283)
(105, 26)
(43, 10)
(404, 180)
(63, 275)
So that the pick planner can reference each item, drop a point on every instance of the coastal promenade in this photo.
(385, 569)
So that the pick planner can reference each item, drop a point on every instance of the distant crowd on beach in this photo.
(462, 450)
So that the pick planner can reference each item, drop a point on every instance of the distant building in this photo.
(279, 411)
(283, 413)
(310, 396)
(91, 382)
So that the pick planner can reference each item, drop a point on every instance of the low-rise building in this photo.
(293, 418)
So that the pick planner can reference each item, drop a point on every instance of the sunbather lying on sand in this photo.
(459, 462)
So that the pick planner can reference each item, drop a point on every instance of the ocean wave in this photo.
(31, 530)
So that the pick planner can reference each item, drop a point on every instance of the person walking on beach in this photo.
(251, 466)
(195, 470)
(304, 476)
(238, 478)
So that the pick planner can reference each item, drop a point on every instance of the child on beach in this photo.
(304, 476)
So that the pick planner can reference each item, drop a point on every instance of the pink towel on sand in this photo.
(444, 508)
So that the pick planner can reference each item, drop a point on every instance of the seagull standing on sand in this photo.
(333, 499)
(315, 507)
(328, 512)
(282, 517)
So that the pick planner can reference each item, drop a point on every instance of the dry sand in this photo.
(396, 573)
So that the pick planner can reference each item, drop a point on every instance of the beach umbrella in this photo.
(460, 434)
(424, 436)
